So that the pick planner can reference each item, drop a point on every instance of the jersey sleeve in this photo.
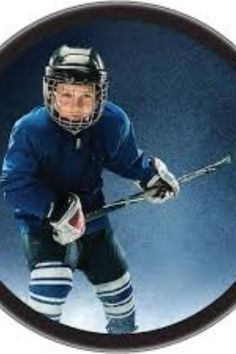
(19, 182)
(125, 158)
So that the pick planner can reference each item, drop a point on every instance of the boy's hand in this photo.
(165, 182)
(67, 219)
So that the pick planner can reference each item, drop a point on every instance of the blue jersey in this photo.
(43, 159)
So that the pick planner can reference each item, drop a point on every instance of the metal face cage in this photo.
(70, 125)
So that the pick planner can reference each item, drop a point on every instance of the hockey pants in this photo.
(99, 256)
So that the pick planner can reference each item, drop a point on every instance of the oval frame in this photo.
(117, 11)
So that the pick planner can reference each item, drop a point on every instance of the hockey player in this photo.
(52, 177)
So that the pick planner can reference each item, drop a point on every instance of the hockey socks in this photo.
(118, 303)
(49, 286)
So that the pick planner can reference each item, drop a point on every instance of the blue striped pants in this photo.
(103, 262)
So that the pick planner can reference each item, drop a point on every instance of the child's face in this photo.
(75, 102)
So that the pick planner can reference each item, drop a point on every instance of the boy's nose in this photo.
(78, 102)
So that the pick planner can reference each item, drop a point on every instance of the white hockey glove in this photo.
(166, 184)
(67, 219)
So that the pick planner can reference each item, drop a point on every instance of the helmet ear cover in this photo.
(78, 68)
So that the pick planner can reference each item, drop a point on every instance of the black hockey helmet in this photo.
(75, 66)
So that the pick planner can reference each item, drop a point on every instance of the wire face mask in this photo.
(74, 106)
(67, 164)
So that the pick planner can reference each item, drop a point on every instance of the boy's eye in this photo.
(88, 95)
(66, 95)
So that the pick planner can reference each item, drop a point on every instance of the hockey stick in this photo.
(135, 198)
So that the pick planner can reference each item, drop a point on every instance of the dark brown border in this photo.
(131, 342)
(136, 11)
(8, 53)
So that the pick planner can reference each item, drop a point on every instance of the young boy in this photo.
(52, 177)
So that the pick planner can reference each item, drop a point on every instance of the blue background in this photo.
(180, 97)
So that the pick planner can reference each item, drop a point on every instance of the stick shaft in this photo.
(135, 198)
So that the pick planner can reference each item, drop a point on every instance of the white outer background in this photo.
(220, 337)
